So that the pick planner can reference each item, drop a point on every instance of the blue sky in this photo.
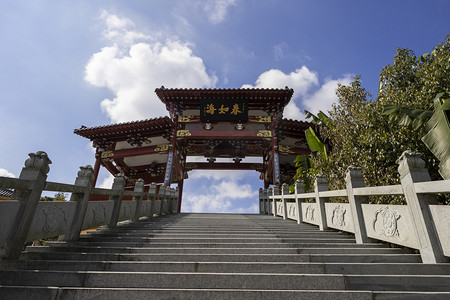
(70, 63)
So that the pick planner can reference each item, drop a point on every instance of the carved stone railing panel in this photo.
(145, 208)
(292, 210)
(390, 223)
(441, 218)
(51, 219)
(157, 207)
(8, 212)
(310, 213)
(98, 213)
(127, 210)
(339, 216)
(280, 208)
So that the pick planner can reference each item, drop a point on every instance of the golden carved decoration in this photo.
(185, 119)
(181, 133)
(285, 149)
(264, 133)
(162, 148)
(107, 154)
(264, 119)
(190, 166)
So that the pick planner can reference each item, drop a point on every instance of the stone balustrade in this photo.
(421, 224)
(25, 218)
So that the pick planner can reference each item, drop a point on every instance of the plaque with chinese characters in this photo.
(224, 110)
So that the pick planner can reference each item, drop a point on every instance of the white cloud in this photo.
(323, 98)
(6, 173)
(278, 50)
(231, 189)
(292, 111)
(308, 94)
(219, 175)
(301, 80)
(217, 10)
(225, 196)
(107, 182)
(135, 64)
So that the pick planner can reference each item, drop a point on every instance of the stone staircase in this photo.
(220, 256)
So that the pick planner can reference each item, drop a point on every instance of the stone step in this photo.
(54, 293)
(237, 249)
(218, 240)
(195, 280)
(204, 256)
(325, 258)
(202, 234)
(218, 245)
(211, 250)
(232, 267)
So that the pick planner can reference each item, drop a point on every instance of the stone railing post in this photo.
(284, 191)
(269, 192)
(138, 188)
(412, 169)
(321, 185)
(275, 192)
(162, 199)
(261, 201)
(118, 185)
(175, 199)
(298, 185)
(85, 179)
(152, 198)
(169, 193)
(354, 179)
(35, 170)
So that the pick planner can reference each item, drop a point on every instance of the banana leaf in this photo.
(437, 138)
(303, 164)
(314, 143)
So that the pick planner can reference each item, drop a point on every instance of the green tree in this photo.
(360, 135)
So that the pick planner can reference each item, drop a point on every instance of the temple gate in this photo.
(213, 123)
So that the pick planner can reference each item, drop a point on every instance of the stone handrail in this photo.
(25, 218)
(421, 224)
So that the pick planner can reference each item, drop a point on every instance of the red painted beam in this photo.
(139, 151)
(221, 134)
(225, 166)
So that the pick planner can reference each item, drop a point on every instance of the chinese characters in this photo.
(223, 110)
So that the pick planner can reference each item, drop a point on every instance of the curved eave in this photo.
(293, 126)
(154, 127)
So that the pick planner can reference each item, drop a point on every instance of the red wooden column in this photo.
(275, 158)
(96, 167)
(173, 145)
(180, 193)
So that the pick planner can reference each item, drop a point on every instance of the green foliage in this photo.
(303, 164)
(436, 125)
(437, 138)
(60, 196)
(361, 135)
(321, 118)
(315, 144)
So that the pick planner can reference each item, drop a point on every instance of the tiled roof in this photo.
(156, 125)
(259, 98)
